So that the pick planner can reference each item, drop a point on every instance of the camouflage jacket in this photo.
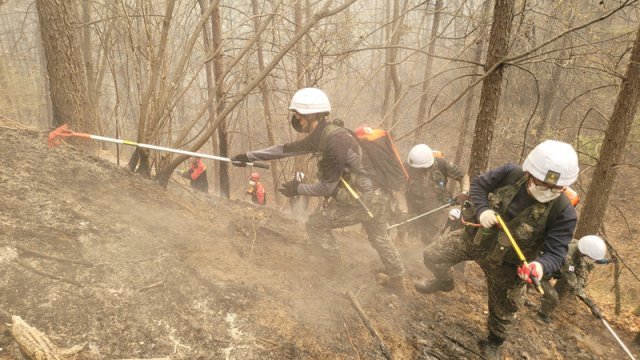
(427, 188)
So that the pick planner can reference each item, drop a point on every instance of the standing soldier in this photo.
(340, 166)
(538, 214)
(256, 190)
(429, 175)
(572, 278)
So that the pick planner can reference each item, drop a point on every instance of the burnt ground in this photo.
(171, 273)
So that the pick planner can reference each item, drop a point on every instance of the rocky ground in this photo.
(95, 256)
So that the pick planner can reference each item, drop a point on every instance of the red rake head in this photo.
(56, 136)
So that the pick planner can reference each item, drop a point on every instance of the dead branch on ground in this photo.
(367, 323)
(34, 345)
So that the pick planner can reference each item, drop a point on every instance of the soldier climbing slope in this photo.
(531, 201)
(341, 170)
(429, 174)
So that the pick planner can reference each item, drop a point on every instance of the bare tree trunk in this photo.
(218, 70)
(266, 103)
(433, 38)
(466, 117)
(68, 80)
(92, 92)
(297, 10)
(208, 68)
(387, 60)
(491, 86)
(46, 112)
(396, 34)
(549, 94)
(613, 146)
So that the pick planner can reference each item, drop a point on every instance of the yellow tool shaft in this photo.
(515, 246)
(356, 196)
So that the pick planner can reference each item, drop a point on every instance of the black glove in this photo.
(595, 310)
(290, 188)
(240, 160)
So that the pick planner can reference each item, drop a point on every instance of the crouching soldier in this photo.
(572, 278)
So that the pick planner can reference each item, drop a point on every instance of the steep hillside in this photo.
(93, 255)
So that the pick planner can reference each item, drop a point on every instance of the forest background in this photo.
(483, 82)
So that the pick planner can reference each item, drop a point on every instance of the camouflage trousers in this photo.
(343, 212)
(505, 289)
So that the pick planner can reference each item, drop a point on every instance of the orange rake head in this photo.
(56, 136)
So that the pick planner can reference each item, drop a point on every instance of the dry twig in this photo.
(367, 323)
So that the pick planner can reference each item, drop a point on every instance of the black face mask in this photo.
(295, 122)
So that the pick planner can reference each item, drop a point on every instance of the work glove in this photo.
(461, 198)
(527, 272)
(240, 160)
(290, 188)
(595, 310)
(488, 218)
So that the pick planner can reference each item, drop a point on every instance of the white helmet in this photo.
(310, 101)
(454, 214)
(593, 246)
(553, 162)
(420, 156)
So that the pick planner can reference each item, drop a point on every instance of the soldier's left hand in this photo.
(533, 270)
(595, 310)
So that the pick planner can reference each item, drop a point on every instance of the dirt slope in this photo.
(173, 273)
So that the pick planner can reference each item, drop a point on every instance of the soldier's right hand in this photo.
(488, 218)
(240, 160)
(595, 310)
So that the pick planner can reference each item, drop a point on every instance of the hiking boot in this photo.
(397, 284)
(491, 350)
(431, 286)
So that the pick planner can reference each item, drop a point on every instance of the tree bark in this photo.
(613, 146)
(67, 76)
(218, 70)
(491, 86)
(266, 103)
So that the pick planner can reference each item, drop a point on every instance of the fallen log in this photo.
(34, 345)
(385, 350)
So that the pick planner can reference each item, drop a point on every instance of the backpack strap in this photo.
(326, 133)
(442, 166)
(559, 204)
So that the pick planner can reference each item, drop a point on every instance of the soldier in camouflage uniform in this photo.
(339, 158)
(572, 278)
(540, 216)
(426, 189)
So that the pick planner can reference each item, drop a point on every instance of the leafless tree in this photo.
(613, 147)
(65, 65)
